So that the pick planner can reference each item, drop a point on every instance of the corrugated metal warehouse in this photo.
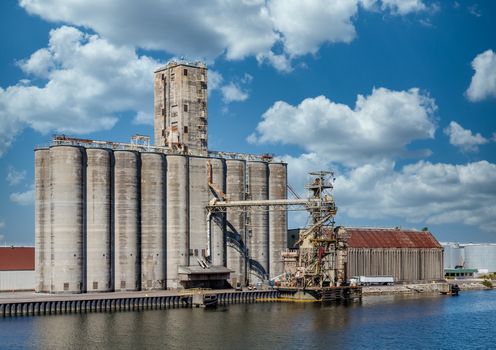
(407, 255)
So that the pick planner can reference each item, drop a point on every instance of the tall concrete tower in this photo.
(180, 107)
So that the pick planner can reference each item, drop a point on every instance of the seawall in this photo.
(30, 304)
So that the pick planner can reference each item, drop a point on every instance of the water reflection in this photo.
(378, 322)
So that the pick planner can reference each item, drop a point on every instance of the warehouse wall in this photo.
(404, 264)
(17, 280)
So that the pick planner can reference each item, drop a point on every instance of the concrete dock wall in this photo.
(106, 303)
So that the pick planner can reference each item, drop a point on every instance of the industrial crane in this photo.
(320, 258)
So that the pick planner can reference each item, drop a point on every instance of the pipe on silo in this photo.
(66, 207)
(278, 217)
(235, 220)
(218, 219)
(258, 242)
(177, 217)
(98, 220)
(153, 221)
(42, 220)
(127, 221)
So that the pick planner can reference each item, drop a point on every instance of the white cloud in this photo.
(474, 10)
(209, 29)
(88, 81)
(15, 177)
(483, 84)
(422, 193)
(23, 198)
(403, 7)
(380, 126)
(10, 127)
(281, 62)
(143, 118)
(215, 80)
(463, 138)
(185, 28)
(233, 93)
(317, 22)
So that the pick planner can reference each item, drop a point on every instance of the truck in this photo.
(372, 280)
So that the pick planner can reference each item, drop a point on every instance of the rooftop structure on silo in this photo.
(180, 108)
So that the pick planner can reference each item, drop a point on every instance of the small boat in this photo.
(210, 301)
(454, 289)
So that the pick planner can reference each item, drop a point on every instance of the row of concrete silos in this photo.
(125, 220)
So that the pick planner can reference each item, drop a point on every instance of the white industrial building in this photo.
(480, 256)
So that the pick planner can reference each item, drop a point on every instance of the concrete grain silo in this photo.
(258, 241)
(127, 217)
(235, 219)
(153, 220)
(98, 220)
(42, 220)
(127, 250)
(177, 217)
(278, 217)
(218, 221)
(67, 221)
(199, 195)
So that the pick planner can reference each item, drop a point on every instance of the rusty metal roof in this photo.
(390, 238)
(16, 258)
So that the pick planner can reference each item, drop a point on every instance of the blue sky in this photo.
(398, 97)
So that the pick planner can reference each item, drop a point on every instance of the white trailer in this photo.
(374, 280)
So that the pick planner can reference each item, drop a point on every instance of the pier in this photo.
(30, 304)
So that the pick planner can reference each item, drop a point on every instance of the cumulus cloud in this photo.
(10, 127)
(280, 62)
(87, 81)
(209, 29)
(215, 80)
(15, 177)
(318, 22)
(233, 91)
(483, 84)
(23, 198)
(463, 138)
(192, 28)
(403, 7)
(380, 125)
(422, 193)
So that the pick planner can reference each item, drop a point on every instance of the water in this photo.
(427, 322)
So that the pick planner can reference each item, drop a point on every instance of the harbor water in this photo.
(378, 322)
